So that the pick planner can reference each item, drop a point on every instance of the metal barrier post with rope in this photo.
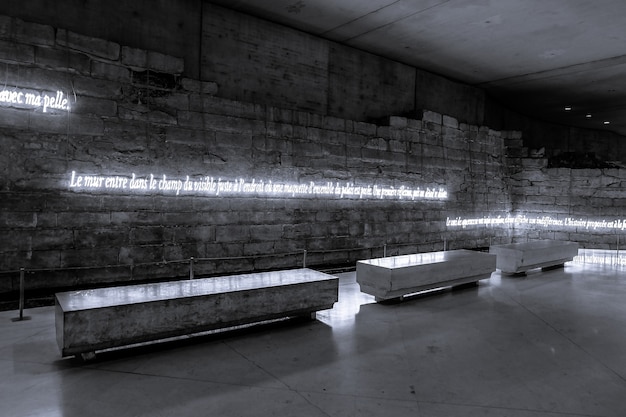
(21, 316)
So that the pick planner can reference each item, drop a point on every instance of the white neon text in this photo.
(33, 99)
(211, 186)
(544, 221)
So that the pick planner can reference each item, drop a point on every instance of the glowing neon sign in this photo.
(21, 98)
(544, 221)
(210, 186)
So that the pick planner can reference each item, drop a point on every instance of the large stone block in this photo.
(14, 260)
(146, 114)
(135, 58)
(450, 122)
(165, 63)
(189, 137)
(41, 239)
(100, 237)
(225, 107)
(534, 163)
(366, 129)
(18, 219)
(270, 232)
(6, 27)
(59, 123)
(94, 46)
(298, 231)
(334, 123)
(279, 130)
(233, 124)
(190, 119)
(110, 71)
(432, 117)
(47, 220)
(548, 200)
(178, 219)
(398, 122)
(200, 87)
(14, 118)
(87, 86)
(89, 257)
(55, 58)
(171, 102)
(95, 106)
(119, 218)
(14, 52)
(85, 220)
(197, 233)
(280, 115)
(33, 33)
(232, 233)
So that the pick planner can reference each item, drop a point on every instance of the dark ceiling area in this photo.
(556, 60)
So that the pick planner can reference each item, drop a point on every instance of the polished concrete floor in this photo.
(551, 343)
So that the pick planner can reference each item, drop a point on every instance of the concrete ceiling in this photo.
(537, 56)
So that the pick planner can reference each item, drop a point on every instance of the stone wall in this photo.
(580, 205)
(254, 60)
(91, 128)
(298, 71)
(132, 116)
(171, 27)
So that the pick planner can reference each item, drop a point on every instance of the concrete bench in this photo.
(397, 276)
(98, 319)
(517, 258)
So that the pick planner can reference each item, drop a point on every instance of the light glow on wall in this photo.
(214, 187)
(544, 221)
(31, 99)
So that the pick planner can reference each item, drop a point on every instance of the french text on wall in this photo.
(216, 186)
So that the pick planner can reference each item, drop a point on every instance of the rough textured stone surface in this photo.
(90, 321)
(158, 133)
(394, 277)
(93, 46)
(515, 258)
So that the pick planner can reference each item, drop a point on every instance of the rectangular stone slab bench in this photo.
(517, 258)
(396, 276)
(97, 319)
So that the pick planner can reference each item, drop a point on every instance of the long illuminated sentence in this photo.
(211, 186)
(544, 221)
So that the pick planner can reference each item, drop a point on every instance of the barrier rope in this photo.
(306, 252)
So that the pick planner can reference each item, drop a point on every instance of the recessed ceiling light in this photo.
(568, 108)
(588, 115)
(606, 122)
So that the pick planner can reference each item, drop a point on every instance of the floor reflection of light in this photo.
(496, 278)
(350, 301)
(605, 257)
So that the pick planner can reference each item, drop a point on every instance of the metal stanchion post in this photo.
(304, 259)
(21, 317)
(385, 250)
(191, 268)
(445, 244)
